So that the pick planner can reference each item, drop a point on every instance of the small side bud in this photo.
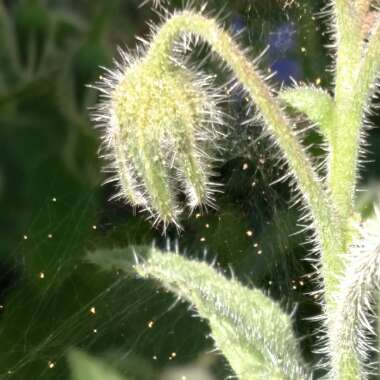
(160, 119)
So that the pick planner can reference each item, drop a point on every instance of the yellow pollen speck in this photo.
(318, 81)
(154, 357)
(50, 236)
(95, 331)
(255, 245)
(207, 225)
(197, 216)
(93, 310)
(249, 233)
(42, 275)
(245, 166)
(25, 237)
(150, 324)
(51, 364)
(259, 252)
(54, 199)
(94, 227)
(303, 49)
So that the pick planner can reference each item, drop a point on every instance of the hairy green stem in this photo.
(343, 158)
(344, 147)
(356, 69)
(326, 222)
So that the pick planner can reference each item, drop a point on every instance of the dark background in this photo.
(53, 208)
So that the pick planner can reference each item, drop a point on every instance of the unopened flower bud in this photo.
(159, 120)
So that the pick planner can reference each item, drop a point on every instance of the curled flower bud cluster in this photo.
(160, 120)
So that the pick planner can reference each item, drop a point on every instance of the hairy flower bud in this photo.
(159, 120)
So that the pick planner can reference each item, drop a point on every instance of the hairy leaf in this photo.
(316, 104)
(249, 328)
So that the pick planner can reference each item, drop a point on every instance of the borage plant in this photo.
(161, 122)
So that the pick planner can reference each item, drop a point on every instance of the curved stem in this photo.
(323, 214)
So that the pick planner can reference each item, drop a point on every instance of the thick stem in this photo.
(363, 270)
(342, 170)
(326, 222)
(355, 81)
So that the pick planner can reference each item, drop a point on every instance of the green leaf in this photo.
(85, 367)
(316, 104)
(251, 330)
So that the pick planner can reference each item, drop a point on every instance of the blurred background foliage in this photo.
(54, 209)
